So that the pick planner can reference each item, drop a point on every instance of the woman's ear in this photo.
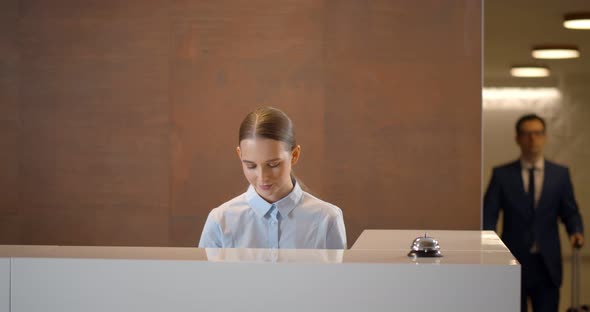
(239, 152)
(295, 154)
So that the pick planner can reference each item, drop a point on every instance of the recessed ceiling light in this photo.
(579, 20)
(555, 52)
(529, 71)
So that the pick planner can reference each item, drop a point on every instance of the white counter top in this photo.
(476, 273)
(448, 240)
(352, 256)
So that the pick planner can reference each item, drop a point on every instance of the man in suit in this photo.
(533, 193)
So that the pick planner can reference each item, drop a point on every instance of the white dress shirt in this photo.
(299, 220)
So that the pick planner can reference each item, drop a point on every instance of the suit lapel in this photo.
(547, 178)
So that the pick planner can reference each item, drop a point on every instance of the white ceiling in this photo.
(512, 27)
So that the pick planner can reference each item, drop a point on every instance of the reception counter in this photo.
(477, 273)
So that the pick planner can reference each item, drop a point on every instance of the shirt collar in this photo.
(285, 205)
(539, 164)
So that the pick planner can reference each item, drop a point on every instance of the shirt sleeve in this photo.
(211, 236)
(336, 236)
(569, 213)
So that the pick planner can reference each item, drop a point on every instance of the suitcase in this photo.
(576, 307)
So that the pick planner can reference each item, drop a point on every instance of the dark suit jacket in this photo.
(521, 227)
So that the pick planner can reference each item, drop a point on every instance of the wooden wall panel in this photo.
(122, 118)
(403, 113)
(95, 111)
(9, 123)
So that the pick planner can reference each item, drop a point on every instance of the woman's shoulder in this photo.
(237, 204)
(312, 202)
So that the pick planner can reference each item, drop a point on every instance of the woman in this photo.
(274, 212)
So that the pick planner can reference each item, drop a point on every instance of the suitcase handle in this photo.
(576, 276)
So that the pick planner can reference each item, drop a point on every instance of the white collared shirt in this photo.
(298, 220)
(539, 176)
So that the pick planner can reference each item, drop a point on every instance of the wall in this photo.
(10, 134)
(120, 118)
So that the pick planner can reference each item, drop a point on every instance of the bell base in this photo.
(425, 254)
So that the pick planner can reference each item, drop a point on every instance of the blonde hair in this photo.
(269, 123)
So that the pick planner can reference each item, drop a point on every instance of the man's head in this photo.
(530, 136)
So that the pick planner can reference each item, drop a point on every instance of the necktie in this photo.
(531, 193)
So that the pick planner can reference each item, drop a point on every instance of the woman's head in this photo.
(267, 149)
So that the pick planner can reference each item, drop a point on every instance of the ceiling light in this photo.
(529, 71)
(577, 20)
(528, 99)
(556, 52)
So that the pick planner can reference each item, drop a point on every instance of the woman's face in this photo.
(267, 166)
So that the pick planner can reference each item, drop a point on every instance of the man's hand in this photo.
(577, 240)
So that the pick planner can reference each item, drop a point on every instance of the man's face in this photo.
(531, 138)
